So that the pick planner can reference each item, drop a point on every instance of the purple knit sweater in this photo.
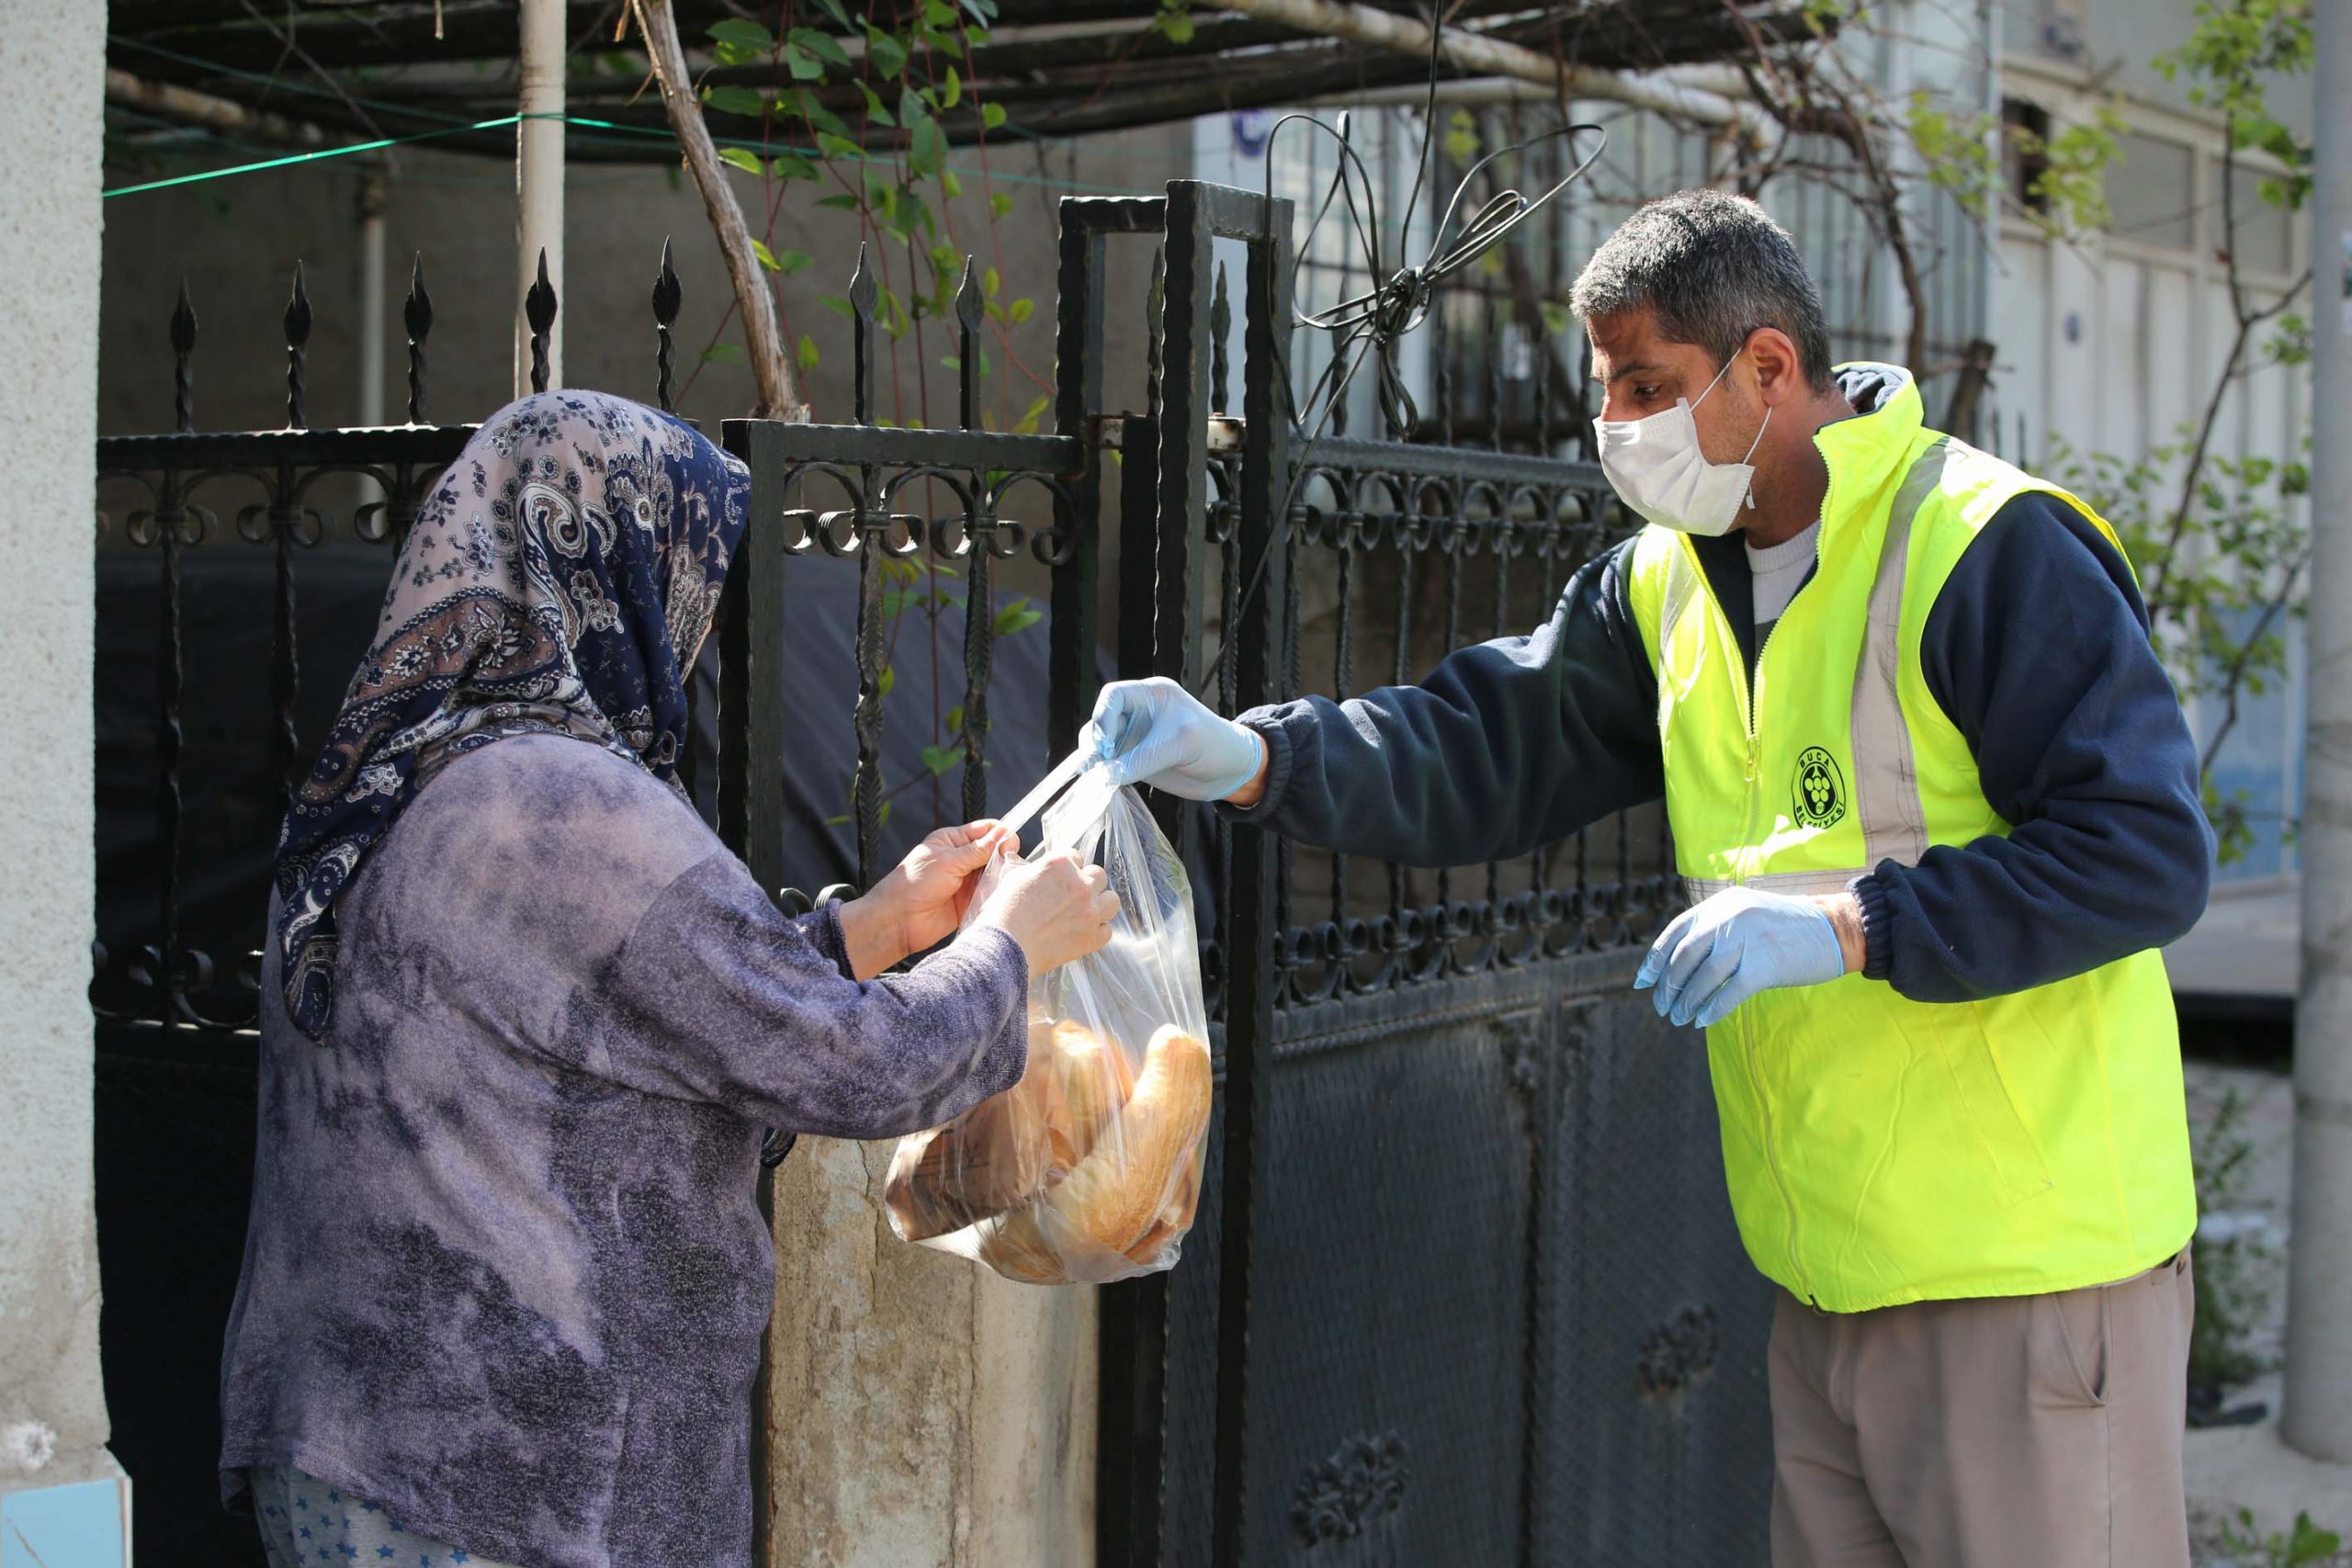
(504, 1273)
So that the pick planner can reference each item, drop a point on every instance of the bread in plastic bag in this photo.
(1089, 1169)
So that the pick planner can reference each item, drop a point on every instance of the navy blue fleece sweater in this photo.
(2037, 649)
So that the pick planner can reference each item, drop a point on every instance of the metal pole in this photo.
(2317, 1417)
(538, 179)
(372, 302)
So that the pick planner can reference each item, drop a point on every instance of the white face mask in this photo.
(1655, 465)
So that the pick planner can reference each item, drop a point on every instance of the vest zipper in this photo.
(1748, 691)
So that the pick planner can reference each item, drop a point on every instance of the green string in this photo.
(295, 158)
(292, 159)
(455, 129)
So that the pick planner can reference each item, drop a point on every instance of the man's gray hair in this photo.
(1715, 267)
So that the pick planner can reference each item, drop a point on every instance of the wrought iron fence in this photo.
(914, 508)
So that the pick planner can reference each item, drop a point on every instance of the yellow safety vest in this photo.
(1881, 1150)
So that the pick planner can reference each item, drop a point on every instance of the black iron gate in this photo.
(1477, 1298)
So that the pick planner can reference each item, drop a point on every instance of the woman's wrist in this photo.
(872, 936)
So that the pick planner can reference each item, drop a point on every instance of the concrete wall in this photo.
(52, 1411)
(924, 1413)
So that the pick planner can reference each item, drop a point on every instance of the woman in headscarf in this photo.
(523, 1022)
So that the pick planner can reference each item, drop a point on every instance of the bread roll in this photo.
(990, 1159)
(1012, 1246)
(1173, 1220)
(1116, 1192)
(1089, 1080)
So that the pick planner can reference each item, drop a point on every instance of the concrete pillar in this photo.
(64, 1501)
(2317, 1413)
(923, 1413)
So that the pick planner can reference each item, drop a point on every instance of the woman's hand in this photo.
(1055, 907)
(921, 899)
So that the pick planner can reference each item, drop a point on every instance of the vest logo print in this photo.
(1821, 789)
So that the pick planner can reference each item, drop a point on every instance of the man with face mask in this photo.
(1936, 806)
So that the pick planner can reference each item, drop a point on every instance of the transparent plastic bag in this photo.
(1089, 1169)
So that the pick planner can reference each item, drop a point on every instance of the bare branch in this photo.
(2234, 679)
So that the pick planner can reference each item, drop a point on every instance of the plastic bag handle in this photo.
(1062, 776)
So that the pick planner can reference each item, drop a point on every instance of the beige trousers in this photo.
(2024, 1432)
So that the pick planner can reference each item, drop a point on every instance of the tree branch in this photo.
(2234, 679)
(779, 390)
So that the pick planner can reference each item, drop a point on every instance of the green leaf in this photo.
(792, 166)
(1558, 318)
(823, 45)
(1027, 424)
(736, 54)
(1020, 309)
(722, 354)
(928, 149)
(1462, 136)
(939, 759)
(738, 158)
(982, 11)
(791, 262)
(952, 91)
(743, 34)
(991, 115)
(1016, 616)
(840, 18)
(950, 186)
(884, 50)
(804, 67)
(735, 100)
(909, 211)
(911, 104)
(955, 717)
(991, 282)
(999, 202)
(874, 110)
(949, 362)
(977, 36)
(806, 358)
(838, 146)
(768, 257)
(840, 203)
(1174, 23)
(823, 118)
(838, 306)
(889, 678)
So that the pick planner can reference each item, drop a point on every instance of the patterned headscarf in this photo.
(558, 580)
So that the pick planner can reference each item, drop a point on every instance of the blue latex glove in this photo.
(1157, 733)
(1718, 954)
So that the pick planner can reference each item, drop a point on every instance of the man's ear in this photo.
(1779, 373)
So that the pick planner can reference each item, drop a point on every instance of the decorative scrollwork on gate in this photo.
(1341, 1497)
(1676, 1352)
